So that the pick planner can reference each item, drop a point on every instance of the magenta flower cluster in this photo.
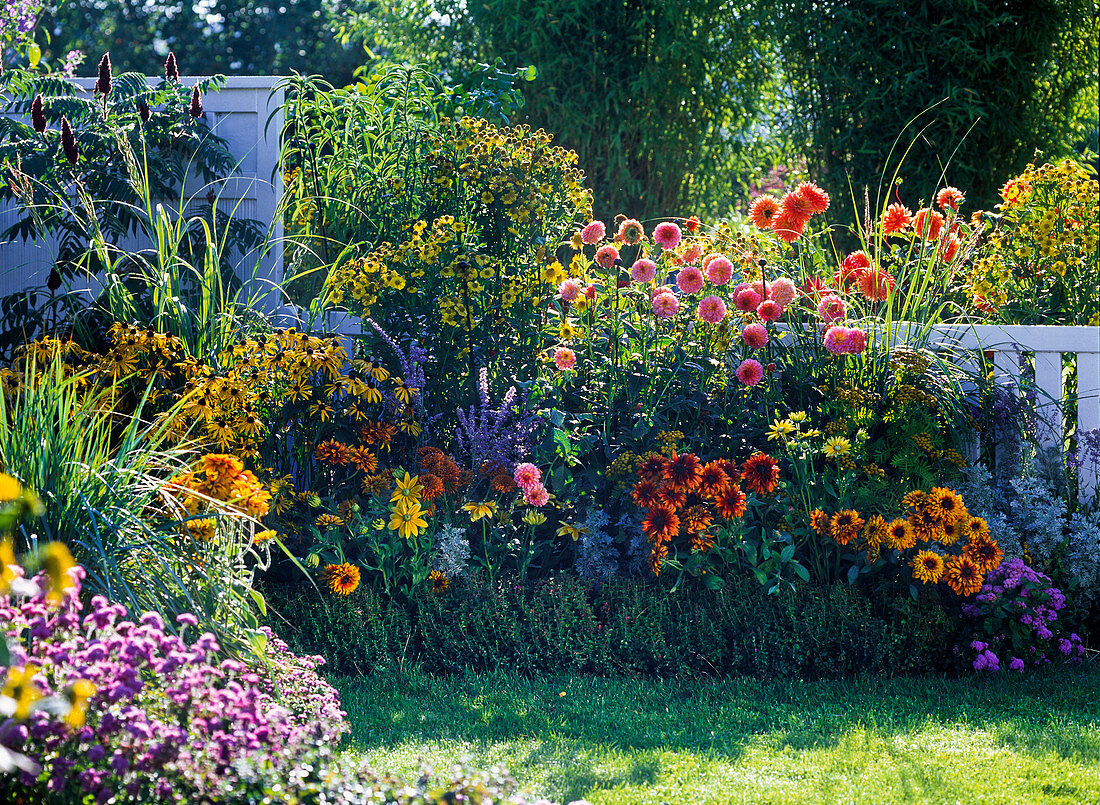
(169, 720)
(1018, 608)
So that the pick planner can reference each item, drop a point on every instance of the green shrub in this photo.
(625, 627)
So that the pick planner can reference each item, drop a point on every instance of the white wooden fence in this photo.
(1047, 347)
(239, 112)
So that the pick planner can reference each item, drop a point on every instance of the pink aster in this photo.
(750, 372)
(690, 279)
(831, 308)
(527, 475)
(755, 335)
(643, 270)
(667, 235)
(569, 290)
(782, 291)
(564, 359)
(536, 495)
(606, 256)
(712, 309)
(666, 305)
(719, 270)
(769, 311)
(746, 299)
(593, 233)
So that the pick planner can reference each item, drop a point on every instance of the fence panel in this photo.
(239, 112)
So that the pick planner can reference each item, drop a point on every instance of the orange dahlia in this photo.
(845, 525)
(761, 474)
(762, 210)
(684, 472)
(661, 524)
(731, 503)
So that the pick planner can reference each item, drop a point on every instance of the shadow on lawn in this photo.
(1051, 714)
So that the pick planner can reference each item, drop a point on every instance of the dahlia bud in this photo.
(144, 111)
(196, 104)
(38, 114)
(54, 281)
(171, 71)
(103, 81)
(68, 142)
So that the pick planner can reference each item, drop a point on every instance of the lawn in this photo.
(980, 739)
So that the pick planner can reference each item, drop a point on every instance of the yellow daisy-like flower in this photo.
(408, 490)
(342, 579)
(480, 510)
(798, 416)
(836, 446)
(534, 517)
(407, 519)
(780, 429)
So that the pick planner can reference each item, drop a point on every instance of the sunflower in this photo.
(731, 503)
(913, 500)
(701, 541)
(653, 468)
(927, 567)
(661, 524)
(407, 518)
(963, 575)
(946, 504)
(874, 534)
(985, 552)
(364, 459)
(342, 579)
(926, 526)
(670, 496)
(327, 521)
(845, 525)
(819, 522)
(656, 558)
(440, 583)
(974, 527)
(332, 452)
(900, 536)
(714, 480)
(646, 494)
(684, 472)
(697, 518)
(950, 531)
(761, 474)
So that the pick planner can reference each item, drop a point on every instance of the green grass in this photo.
(977, 740)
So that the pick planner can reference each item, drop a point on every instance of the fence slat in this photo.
(1088, 411)
(1049, 404)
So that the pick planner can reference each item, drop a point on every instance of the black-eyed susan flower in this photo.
(407, 519)
(341, 579)
(927, 567)
(481, 510)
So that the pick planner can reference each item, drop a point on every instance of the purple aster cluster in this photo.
(169, 720)
(500, 436)
(18, 18)
(1018, 609)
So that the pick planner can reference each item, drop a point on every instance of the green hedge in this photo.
(621, 628)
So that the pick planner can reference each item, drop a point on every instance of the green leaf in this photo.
(561, 439)
(258, 597)
(853, 574)
(787, 554)
(800, 571)
(34, 54)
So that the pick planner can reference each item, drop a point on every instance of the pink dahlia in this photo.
(750, 372)
(593, 233)
(746, 299)
(606, 256)
(712, 309)
(845, 340)
(666, 305)
(564, 359)
(719, 270)
(536, 495)
(569, 290)
(690, 279)
(831, 308)
(755, 335)
(782, 291)
(690, 255)
(526, 475)
(769, 311)
(667, 235)
(643, 270)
